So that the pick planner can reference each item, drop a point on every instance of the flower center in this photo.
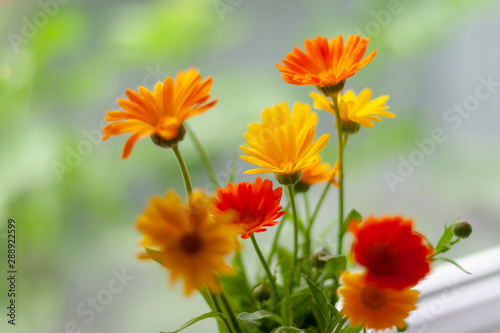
(382, 259)
(191, 243)
(249, 220)
(373, 297)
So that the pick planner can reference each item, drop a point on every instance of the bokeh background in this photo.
(63, 64)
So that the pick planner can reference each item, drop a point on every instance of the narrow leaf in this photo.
(453, 263)
(320, 300)
(334, 266)
(260, 315)
(195, 320)
(286, 308)
(155, 255)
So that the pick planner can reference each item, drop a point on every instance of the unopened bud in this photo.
(462, 229)
(261, 292)
(319, 259)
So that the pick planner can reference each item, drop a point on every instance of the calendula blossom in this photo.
(187, 240)
(366, 304)
(326, 64)
(160, 113)
(256, 205)
(283, 143)
(355, 109)
(395, 256)
(319, 172)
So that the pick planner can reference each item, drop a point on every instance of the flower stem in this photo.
(277, 236)
(265, 265)
(341, 174)
(184, 170)
(295, 227)
(204, 156)
(230, 312)
(213, 303)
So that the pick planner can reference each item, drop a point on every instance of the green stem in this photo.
(204, 156)
(295, 227)
(211, 300)
(184, 170)
(315, 213)
(270, 276)
(230, 312)
(277, 236)
(341, 174)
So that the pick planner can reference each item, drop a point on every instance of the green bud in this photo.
(462, 229)
(319, 259)
(159, 141)
(290, 179)
(261, 292)
(301, 187)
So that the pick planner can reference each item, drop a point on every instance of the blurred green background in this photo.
(64, 63)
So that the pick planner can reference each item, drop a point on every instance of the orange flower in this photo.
(187, 240)
(319, 172)
(256, 205)
(395, 255)
(373, 307)
(325, 63)
(160, 113)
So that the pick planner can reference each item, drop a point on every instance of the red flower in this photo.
(256, 205)
(395, 256)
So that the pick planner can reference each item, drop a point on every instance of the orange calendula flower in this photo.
(160, 113)
(283, 143)
(256, 205)
(354, 109)
(319, 172)
(325, 63)
(187, 240)
(373, 307)
(395, 256)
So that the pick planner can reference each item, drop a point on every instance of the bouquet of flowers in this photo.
(368, 285)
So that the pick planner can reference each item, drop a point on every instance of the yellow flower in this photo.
(319, 172)
(186, 240)
(283, 143)
(373, 307)
(355, 109)
(160, 113)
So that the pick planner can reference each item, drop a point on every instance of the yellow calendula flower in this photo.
(187, 240)
(317, 172)
(283, 143)
(373, 307)
(355, 110)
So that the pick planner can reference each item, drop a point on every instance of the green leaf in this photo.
(320, 300)
(453, 263)
(260, 315)
(155, 255)
(444, 242)
(334, 266)
(237, 286)
(353, 215)
(286, 308)
(285, 262)
(288, 329)
(197, 319)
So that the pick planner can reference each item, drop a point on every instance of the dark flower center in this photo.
(372, 297)
(382, 259)
(249, 220)
(191, 243)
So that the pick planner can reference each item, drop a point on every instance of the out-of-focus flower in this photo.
(160, 113)
(283, 143)
(355, 110)
(187, 240)
(325, 64)
(373, 307)
(317, 172)
(256, 205)
(395, 256)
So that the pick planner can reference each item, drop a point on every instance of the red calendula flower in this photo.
(395, 256)
(160, 113)
(325, 63)
(255, 205)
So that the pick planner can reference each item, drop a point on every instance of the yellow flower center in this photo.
(191, 243)
(373, 297)
(382, 259)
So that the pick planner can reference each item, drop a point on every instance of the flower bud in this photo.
(319, 259)
(261, 292)
(332, 90)
(288, 179)
(301, 187)
(462, 229)
(159, 141)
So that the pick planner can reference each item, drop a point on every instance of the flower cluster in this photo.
(301, 292)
